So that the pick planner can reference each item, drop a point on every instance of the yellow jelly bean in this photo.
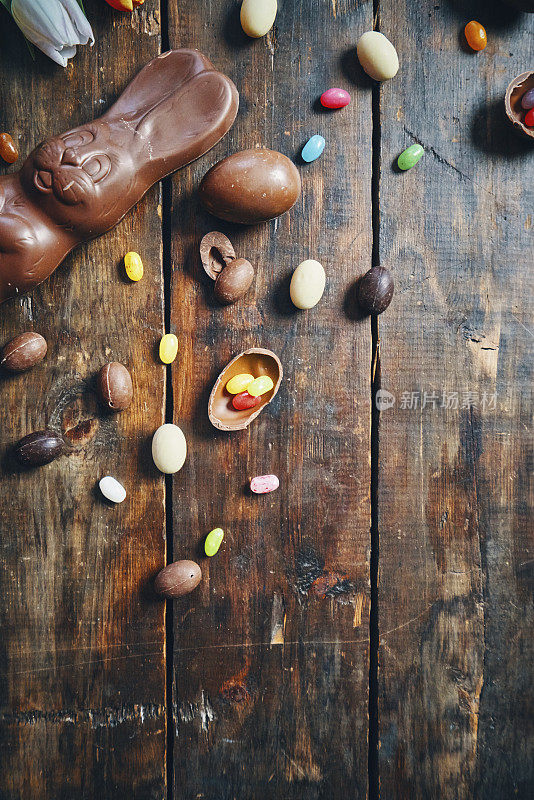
(133, 266)
(260, 386)
(213, 541)
(168, 348)
(239, 383)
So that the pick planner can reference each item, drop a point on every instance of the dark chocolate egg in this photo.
(251, 186)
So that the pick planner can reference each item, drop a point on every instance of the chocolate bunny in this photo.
(76, 186)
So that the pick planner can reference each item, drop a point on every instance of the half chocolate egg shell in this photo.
(255, 361)
(512, 102)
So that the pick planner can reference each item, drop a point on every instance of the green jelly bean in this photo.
(213, 541)
(410, 156)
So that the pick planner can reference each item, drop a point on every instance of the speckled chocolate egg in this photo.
(251, 186)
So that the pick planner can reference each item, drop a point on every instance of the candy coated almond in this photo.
(262, 484)
(239, 383)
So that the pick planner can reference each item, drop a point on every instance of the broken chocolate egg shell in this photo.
(512, 102)
(216, 252)
(255, 361)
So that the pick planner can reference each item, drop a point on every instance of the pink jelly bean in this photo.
(262, 484)
(335, 98)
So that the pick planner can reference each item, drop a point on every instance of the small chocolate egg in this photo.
(251, 186)
(178, 578)
(234, 281)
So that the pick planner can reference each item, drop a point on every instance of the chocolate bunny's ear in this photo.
(179, 107)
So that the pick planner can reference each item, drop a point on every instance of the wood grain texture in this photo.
(455, 533)
(82, 703)
(271, 653)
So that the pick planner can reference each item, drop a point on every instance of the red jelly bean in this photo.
(335, 98)
(245, 400)
(529, 118)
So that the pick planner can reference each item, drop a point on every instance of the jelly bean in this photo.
(260, 386)
(313, 148)
(377, 56)
(168, 348)
(527, 101)
(133, 266)
(307, 284)
(169, 448)
(239, 383)
(213, 541)
(335, 98)
(257, 17)
(262, 484)
(112, 489)
(409, 157)
(529, 118)
(475, 35)
(8, 148)
(244, 401)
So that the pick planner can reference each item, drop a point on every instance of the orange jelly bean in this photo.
(475, 35)
(8, 150)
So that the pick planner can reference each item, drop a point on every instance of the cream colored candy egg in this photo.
(307, 284)
(377, 56)
(169, 448)
(257, 17)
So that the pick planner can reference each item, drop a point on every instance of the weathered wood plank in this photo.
(455, 545)
(271, 653)
(82, 652)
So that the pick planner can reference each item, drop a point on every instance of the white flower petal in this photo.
(51, 52)
(79, 20)
(54, 26)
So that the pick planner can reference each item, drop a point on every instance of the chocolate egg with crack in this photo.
(257, 362)
(251, 186)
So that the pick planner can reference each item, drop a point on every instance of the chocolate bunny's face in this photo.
(82, 178)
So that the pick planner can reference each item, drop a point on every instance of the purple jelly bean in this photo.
(527, 101)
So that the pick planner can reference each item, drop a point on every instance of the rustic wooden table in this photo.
(308, 664)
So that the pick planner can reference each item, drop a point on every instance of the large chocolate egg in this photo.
(251, 186)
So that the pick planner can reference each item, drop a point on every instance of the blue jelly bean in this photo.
(313, 148)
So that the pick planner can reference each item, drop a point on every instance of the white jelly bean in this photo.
(257, 17)
(169, 448)
(262, 484)
(112, 489)
(307, 284)
(377, 56)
